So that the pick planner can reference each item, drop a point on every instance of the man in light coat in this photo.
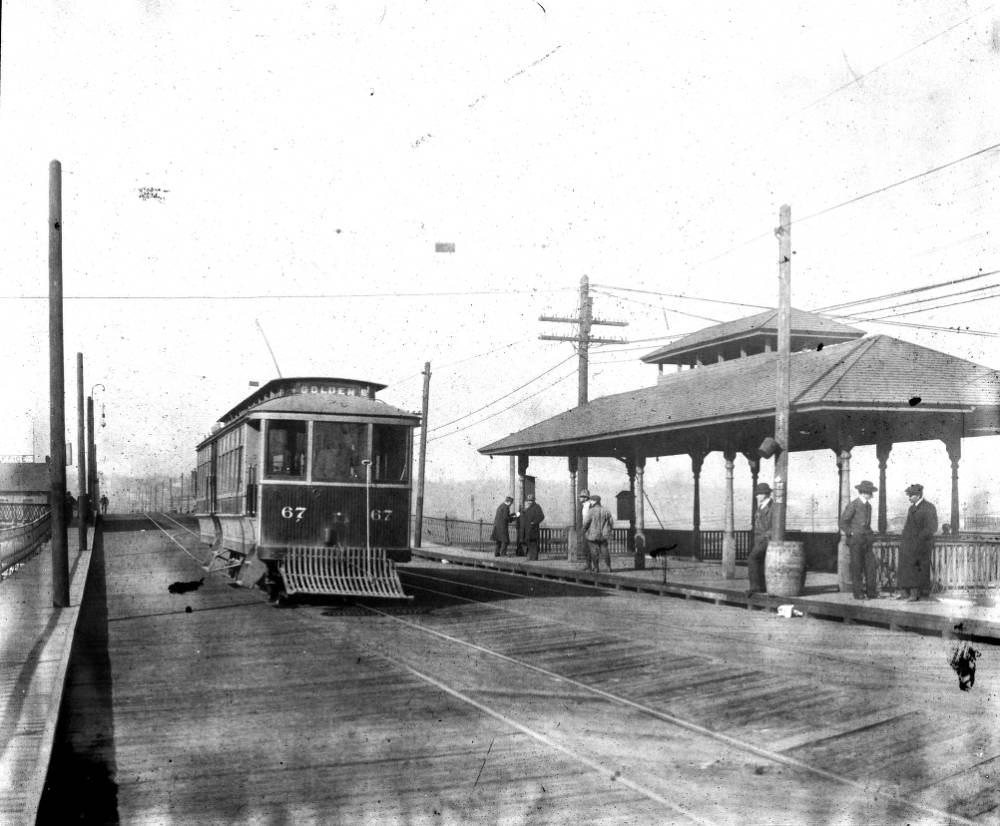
(597, 526)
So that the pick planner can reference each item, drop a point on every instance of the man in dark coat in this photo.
(913, 573)
(500, 523)
(761, 536)
(856, 523)
(528, 526)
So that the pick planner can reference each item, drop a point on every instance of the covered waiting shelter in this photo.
(847, 390)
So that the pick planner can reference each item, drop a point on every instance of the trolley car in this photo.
(304, 487)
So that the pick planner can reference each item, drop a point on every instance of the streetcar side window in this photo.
(338, 448)
(391, 449)
(286, 450)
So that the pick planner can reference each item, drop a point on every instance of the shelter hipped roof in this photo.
(870, 389)
(807, 330)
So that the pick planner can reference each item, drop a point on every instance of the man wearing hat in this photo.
(761, 536)
(500, 523)
(856, 523)
(597, 527)
(913, 574)
(529, 522)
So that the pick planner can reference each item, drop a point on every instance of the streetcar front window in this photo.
(391, 449)
(286, 450)
(338, 448)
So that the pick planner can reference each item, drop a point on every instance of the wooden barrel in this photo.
(785, 568)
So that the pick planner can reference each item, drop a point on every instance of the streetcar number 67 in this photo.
(288, 512)
(381, 516)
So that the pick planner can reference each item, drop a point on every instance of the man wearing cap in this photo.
(913, 574)
(856, 523)
(761, 536)
(500, 523)
(597, 526)
(529, 521)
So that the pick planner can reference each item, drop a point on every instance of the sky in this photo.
(250, 175)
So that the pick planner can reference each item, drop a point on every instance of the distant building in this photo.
(24, 483)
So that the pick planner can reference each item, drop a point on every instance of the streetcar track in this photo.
(875, 793)
(680, 722)
(868, 665)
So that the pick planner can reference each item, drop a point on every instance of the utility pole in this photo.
(783, 402)
(418, 526)
(57, 398)
(585, 319)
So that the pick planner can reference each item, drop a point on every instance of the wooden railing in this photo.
(962, 563)
(17, 544)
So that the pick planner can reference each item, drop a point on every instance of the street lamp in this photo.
(93, 484)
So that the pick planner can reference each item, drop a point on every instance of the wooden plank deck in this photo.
(35, 644)
(503, 699)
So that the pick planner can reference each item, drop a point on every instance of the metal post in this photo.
(57, 396)
(419, 521)
(81, 459)
(368, 503)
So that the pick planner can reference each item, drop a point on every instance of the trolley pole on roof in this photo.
(418, 526)
(57, 396)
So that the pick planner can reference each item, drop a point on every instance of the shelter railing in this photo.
(476, 535)
(19, 543)
(961, 563)
(711, 544)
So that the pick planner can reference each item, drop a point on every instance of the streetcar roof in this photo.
(318, 395)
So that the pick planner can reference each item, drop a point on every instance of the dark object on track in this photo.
(184, 587)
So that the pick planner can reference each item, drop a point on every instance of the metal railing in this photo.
(477, 536)
(18, 513)
(19, 543)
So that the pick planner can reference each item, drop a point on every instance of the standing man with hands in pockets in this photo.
(856, 523)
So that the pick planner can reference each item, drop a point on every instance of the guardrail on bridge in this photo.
(19, 542)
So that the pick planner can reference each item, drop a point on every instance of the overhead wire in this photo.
(900, 293)
(505, 396)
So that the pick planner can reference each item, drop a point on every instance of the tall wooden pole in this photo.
(57, 396)
(84, 503)
(783, 401)
(583, 369)
(418, 527)
(92, 450)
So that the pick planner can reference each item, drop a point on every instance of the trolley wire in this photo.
(506, 395)
(901, 293)
(505, 409)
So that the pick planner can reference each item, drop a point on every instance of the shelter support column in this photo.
(697, 460)
(573, 535)
(843, 552)
(640, 513)
(729, 530)
(882, 450)
(522, 471)
(954, 446)
(753, 460)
